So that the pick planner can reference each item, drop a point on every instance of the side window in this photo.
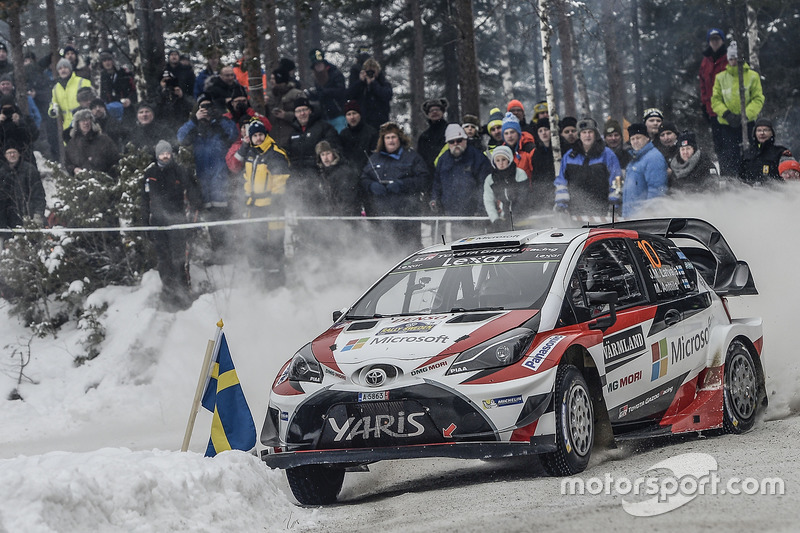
(672, 274)
(606, 266)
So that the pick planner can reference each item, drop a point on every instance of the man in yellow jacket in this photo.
(266, 170)
(725, 102)
(65, 95)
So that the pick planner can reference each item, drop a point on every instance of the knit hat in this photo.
(542, 123)
(301, 102)
(203, 97)
(495, 118)
(162, 147)
(238, 91)
(637, 129)
(587, 123)
(715, 31)
(540, 107)
(352, 105)
(256, 126)
(667, 126)
(733, 51)
(652, 112)
(287, 65)
(515, 103)
(687, 138)
(441, 103)
(453, 132)
(788, 164)
(503, 151)
(8, 76)
(510, 122)
(97, 102)
(85, 94)
(105, 54)
(68, 48)
(470, 120)
(611, 126)
(281, 76)
(147, 105)
(566, 122)
(316, 56)
(763, 121)
(64, 62)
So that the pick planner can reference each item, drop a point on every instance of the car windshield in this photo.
(464, 280)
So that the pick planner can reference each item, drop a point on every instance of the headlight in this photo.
(304, 367)
(503, 350)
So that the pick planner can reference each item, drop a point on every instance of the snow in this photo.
(95, 447)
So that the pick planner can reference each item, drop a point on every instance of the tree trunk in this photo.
(52, 34)
(567, 72)
(378, 36)
(546, 30)
(502, 52)
(469, 82)
(315, 24)
(135, 51)
(301, 43)
(417, 70)
(271, 54)
(451, 74)
(15, 40)
(752, 37)
(584, 108)
(252, 56)
(616, 85)
(93, 31)
(637, 60)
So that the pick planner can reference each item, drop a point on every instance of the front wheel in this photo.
(315, 484)
(574, 424)
(741, 387)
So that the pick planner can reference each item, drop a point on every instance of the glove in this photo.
(242, 151)
(562, 195)
(394, 187)
(54, 110)
(614, 198)
(312, 93)
(560, 207)
(377, 189)
(731, 119)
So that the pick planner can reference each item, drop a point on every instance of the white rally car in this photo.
(542, 342)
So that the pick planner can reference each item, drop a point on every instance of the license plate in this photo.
(377, 396)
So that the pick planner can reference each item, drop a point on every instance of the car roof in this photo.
(515, 238)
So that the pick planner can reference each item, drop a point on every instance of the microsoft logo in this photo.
(355, 344)
(660, 358)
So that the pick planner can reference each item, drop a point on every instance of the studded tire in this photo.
(315, 484)
(575, 424)
(741, 389)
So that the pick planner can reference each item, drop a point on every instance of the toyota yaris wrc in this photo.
(546, 342)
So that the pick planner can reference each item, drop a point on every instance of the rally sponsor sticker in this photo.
(535, 359)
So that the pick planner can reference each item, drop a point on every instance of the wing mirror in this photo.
(338, 314)
(604, 322)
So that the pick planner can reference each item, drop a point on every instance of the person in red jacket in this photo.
(714, 61)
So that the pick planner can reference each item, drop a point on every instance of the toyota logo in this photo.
(375, 377)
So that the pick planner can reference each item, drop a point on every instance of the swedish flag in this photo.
(232, 427)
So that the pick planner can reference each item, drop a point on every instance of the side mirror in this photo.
(338, 314)
(610, 298)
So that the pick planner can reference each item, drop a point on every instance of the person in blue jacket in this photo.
(646, 174)
(210, 135)
(585, 183)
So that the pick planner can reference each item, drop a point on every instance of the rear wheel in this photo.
(315, 484)
(574, 424)
(741, 386)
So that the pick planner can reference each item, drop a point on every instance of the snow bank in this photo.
(115, 489)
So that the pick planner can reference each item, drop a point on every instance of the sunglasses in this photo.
(456, 141)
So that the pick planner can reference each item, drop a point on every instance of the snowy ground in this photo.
(95, 447)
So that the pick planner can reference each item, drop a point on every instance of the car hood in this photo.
(412, 337)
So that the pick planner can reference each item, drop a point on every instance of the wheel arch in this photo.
(762, 382)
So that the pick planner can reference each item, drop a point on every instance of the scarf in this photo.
(682, 169)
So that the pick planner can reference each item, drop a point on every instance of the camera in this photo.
(8, 111)
(371, 73)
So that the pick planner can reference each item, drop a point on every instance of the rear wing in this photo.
(715, 260)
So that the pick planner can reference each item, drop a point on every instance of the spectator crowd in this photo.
(332, 149)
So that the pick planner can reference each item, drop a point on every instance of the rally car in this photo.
(547, 342)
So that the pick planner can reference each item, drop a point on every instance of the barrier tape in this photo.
(58, 230)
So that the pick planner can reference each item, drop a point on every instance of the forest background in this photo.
(611, 58)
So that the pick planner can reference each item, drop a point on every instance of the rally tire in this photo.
(315, 484)
(575, 425)
(741, 388)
